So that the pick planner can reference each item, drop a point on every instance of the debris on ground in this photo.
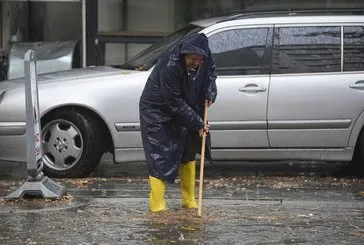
(188, 217)
(37, 200)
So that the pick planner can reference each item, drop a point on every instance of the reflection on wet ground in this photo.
(243, 203)
(125, 221)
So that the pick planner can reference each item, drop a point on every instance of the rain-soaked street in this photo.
(244, 203)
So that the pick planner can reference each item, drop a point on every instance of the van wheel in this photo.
(71, 144)
(357, 164)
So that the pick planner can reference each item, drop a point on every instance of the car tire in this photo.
(71, 144)
(357, 164)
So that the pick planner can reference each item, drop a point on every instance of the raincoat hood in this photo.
(195, 44)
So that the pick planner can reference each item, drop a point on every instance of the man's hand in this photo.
(204, 130)
(208, 103)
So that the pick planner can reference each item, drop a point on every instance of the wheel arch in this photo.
(109, 141)
(356, 131)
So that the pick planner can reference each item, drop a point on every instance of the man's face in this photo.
(193, 60)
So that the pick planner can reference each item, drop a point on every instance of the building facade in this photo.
(116, 30)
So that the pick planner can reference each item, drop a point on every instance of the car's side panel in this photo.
(238, 118)
(13, 148)
(115, 99)
(313, 110)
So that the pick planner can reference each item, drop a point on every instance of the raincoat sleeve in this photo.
(211, 91)
(171, 90)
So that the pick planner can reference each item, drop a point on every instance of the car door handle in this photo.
(357, 85)
(252, 88)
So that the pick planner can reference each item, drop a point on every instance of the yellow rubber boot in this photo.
(187, 172)
(157, 202)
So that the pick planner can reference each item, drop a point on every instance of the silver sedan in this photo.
(288, 95)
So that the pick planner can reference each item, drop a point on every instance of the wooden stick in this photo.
(202, 164)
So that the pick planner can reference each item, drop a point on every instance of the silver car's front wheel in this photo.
(62, 144)
(72, 144)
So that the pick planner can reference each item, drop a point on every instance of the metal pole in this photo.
(34, 151)
(38, 184)
(125, 26)
(342, 49)
(83, 33)
(1, 24)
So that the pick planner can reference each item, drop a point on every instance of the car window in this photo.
(353, 48)
(307, 49)
(149, 57)
(240, 51)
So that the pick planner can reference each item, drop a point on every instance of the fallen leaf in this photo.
(188, 228)
(358, 233)
(84, 182)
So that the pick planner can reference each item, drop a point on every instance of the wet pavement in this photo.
(243, 203)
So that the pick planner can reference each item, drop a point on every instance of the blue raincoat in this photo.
(171, 107)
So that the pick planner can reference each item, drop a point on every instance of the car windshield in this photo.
(148, 57)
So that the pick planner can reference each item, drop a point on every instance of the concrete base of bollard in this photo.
(45, 188)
